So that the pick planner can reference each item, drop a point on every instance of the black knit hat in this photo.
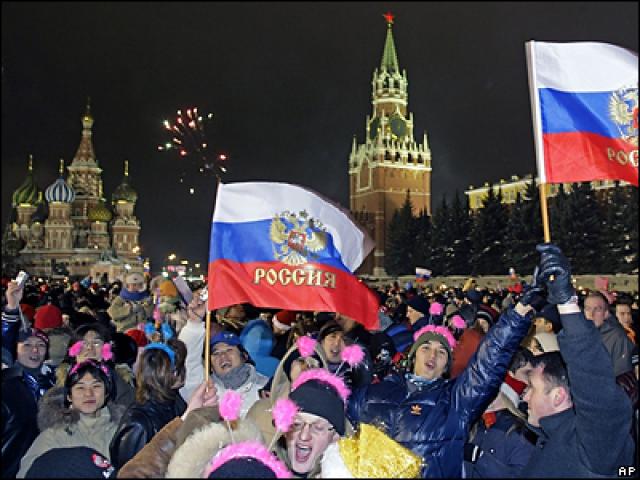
(328, 328)
(71, 462)
(419, 303)
(321, 399)
(246, 467)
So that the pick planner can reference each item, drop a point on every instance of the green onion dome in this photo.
(28, 193)
(99, 213)
(124, 192)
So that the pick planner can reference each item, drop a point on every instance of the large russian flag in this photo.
(584, 100)
(282, 246)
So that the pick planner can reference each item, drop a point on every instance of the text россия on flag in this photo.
(282, 246)
(584, 99)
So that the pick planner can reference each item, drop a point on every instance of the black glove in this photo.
(553, 262)
(534, 294)
(472, 452)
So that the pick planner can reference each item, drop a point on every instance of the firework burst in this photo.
(188, 138)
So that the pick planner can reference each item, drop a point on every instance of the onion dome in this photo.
(59, 191)
(124, 192)
(99, 213)
(28, 193)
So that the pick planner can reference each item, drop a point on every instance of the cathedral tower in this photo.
(390, 162)
(126, 226)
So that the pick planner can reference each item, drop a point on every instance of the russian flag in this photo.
(282, 246)
(422, 274)
(584, 99)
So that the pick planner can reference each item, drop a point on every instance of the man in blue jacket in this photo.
(431, 414)
(582, 417)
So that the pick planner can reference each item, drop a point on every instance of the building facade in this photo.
(73, 229)
(390, 163)
(515, 185)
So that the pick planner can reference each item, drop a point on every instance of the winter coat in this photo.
(402, 333)
(464, 350)
(434, 420)
(250, 389)
(121, 376)
(18, 418)
(62, 427)
(507, 446)
(128, 314)
(192, 335)
(152, 461)
(618, 345)
(591, 438)
(257, 338)
(139, 424)
(190, 458)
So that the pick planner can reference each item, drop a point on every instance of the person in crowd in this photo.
(289, 369)
(160, 375)
(614, 337)
(258, 340)
(321, 399)
(500, 444)
(133, 305)
(235, 317)
(417, 317)
(281, 324)
(168, 302)
(333, 340)
(200, 414)
(23, 384)
(468, 334)
(94, 341)
(547, 320)
(233, 370)
(71, 462)
(192, 334)
(625, 317)
(59, 339)
(583, 430)
(431, 414)
(79, 414)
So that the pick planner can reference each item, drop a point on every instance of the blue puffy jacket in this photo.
(434, 420)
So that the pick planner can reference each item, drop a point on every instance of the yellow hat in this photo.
(168, 289)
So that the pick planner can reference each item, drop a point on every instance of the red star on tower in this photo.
(388, 17)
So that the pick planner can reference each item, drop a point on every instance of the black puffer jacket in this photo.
(139, 424)
(18, 418)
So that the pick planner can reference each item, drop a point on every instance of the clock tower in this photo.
(390, 162)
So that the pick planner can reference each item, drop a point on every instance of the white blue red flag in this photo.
(282, 246)
(423, 273)
(584, 101)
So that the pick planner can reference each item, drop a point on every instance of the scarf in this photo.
(236, 377)
(416, 382)
(133, 296)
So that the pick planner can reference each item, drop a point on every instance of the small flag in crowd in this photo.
(422, 274)
(584, 101)
(282, 246)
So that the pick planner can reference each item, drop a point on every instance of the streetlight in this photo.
(172, 256)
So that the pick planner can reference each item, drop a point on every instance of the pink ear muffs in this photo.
(77, 347)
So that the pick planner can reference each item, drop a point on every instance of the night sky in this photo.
(289, 85)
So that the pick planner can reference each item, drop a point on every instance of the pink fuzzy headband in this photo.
(322, 375)
(253, 450)
(440, 331)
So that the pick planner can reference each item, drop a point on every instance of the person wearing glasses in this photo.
(320, 421)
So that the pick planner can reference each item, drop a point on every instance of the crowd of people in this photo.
(535, 380)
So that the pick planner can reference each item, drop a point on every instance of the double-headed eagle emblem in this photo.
(623, 110)
(296, 237)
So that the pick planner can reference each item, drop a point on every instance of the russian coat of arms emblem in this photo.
(296, 237)
(623, 110)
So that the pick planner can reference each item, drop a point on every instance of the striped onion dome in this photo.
(99, 213)
(28, 193)
(59, 191)
(124, 191)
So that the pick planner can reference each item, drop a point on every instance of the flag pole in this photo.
(545, 213)
(537, 136)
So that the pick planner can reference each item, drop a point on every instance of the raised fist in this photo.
(554, 272)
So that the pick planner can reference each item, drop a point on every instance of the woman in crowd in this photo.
(79, 414)
(161, 373)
